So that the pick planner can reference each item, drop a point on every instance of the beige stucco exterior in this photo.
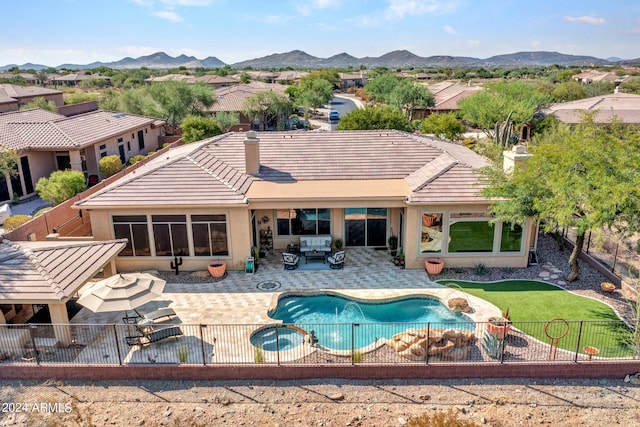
(248, 218)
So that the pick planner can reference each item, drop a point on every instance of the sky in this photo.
(55, 32)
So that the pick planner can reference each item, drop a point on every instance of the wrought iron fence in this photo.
(338, 343)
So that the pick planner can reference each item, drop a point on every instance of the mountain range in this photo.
(302, 60)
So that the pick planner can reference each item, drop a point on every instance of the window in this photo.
(298, 222)
(209, 235)
(103, 146)
(511, 238)
(470, 232)
(431, 232)
(120, 140)
(170, 234)
(128, 145)
(134, 229)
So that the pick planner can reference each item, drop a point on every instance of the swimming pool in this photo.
(341, 323)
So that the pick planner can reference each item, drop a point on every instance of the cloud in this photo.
(308, 8)
(592, 20)
(398, 9)
(168, 15)
(275, 19)
(449, 29)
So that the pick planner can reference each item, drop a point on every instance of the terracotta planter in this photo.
(607, 287)
(217, 269)
(428, 221)
(433, 265)
(499, 330)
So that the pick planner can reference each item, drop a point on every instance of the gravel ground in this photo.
(332, 402)
(513, 402)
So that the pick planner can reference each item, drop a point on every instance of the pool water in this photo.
(272, 337)
(341, 323)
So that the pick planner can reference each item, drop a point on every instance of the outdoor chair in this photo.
(336, 260)
(149, 335)
(290, 261)
(161, 314)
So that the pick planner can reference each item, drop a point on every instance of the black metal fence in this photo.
(339, 343)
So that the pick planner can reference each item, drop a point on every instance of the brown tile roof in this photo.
(17, 91)
(447, 94)
(50, 271)
(625, 106)
(40, 130)
(211, 172)
(232, 98)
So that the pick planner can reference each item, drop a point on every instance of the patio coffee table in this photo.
(314, 255)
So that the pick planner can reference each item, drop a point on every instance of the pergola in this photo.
(51, 272)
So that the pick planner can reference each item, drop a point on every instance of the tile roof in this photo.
(625, 106)
(41, 130)
(17, 91)
(232, 98)
(50, 271)
(212, 172)
(447, 94)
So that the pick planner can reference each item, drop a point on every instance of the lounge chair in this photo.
(290, 260)
(336, 260)
(161, 314)
(150, 335)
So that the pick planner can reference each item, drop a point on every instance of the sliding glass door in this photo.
(365, 226)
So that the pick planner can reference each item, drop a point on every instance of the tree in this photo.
(443, 126)
(581, 177)
(110, 165)
(375, 117)
(314, 93)
(380, 88)
(226, 119)
(61, 186)
(269, 107)
(494, 104)
(178, 99)
(568, 91)
(195, 128)
(409, 96)
(40, 102)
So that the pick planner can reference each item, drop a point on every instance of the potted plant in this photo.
(499, 325)
(338, 244)
(393, 245)
(183, 353)
(399, 259)
(607, 287)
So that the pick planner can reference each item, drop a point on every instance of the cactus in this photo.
(504, 132)
(493, 345)
(176, 265)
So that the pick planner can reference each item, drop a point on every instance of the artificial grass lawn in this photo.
(531, 302)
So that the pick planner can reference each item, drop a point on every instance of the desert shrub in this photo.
(110, 165)
(61, 186)
(15, 221)
(135, 159)
(440, 419)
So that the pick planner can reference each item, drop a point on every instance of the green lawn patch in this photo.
(531, 304)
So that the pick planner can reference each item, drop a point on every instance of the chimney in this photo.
(511, 158)
(252, 153)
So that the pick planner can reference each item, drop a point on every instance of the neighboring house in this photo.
(212, 80)
(74, 79)
(590, 76)
(446, 96)
(287, 77)
(232, 99)
(26, 77)
(12, 97)
(349, 80)
(624, 106)
(215, 198)
(47, 142)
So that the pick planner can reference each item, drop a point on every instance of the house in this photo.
(47, 142)
(12, 97)
(232, 99)
(446, 96)
(590, 76)
(218, 198)
(349, 80)
(74, 79)
(212, 80)
(624, 106)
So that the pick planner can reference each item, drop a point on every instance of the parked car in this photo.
(334, 115)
